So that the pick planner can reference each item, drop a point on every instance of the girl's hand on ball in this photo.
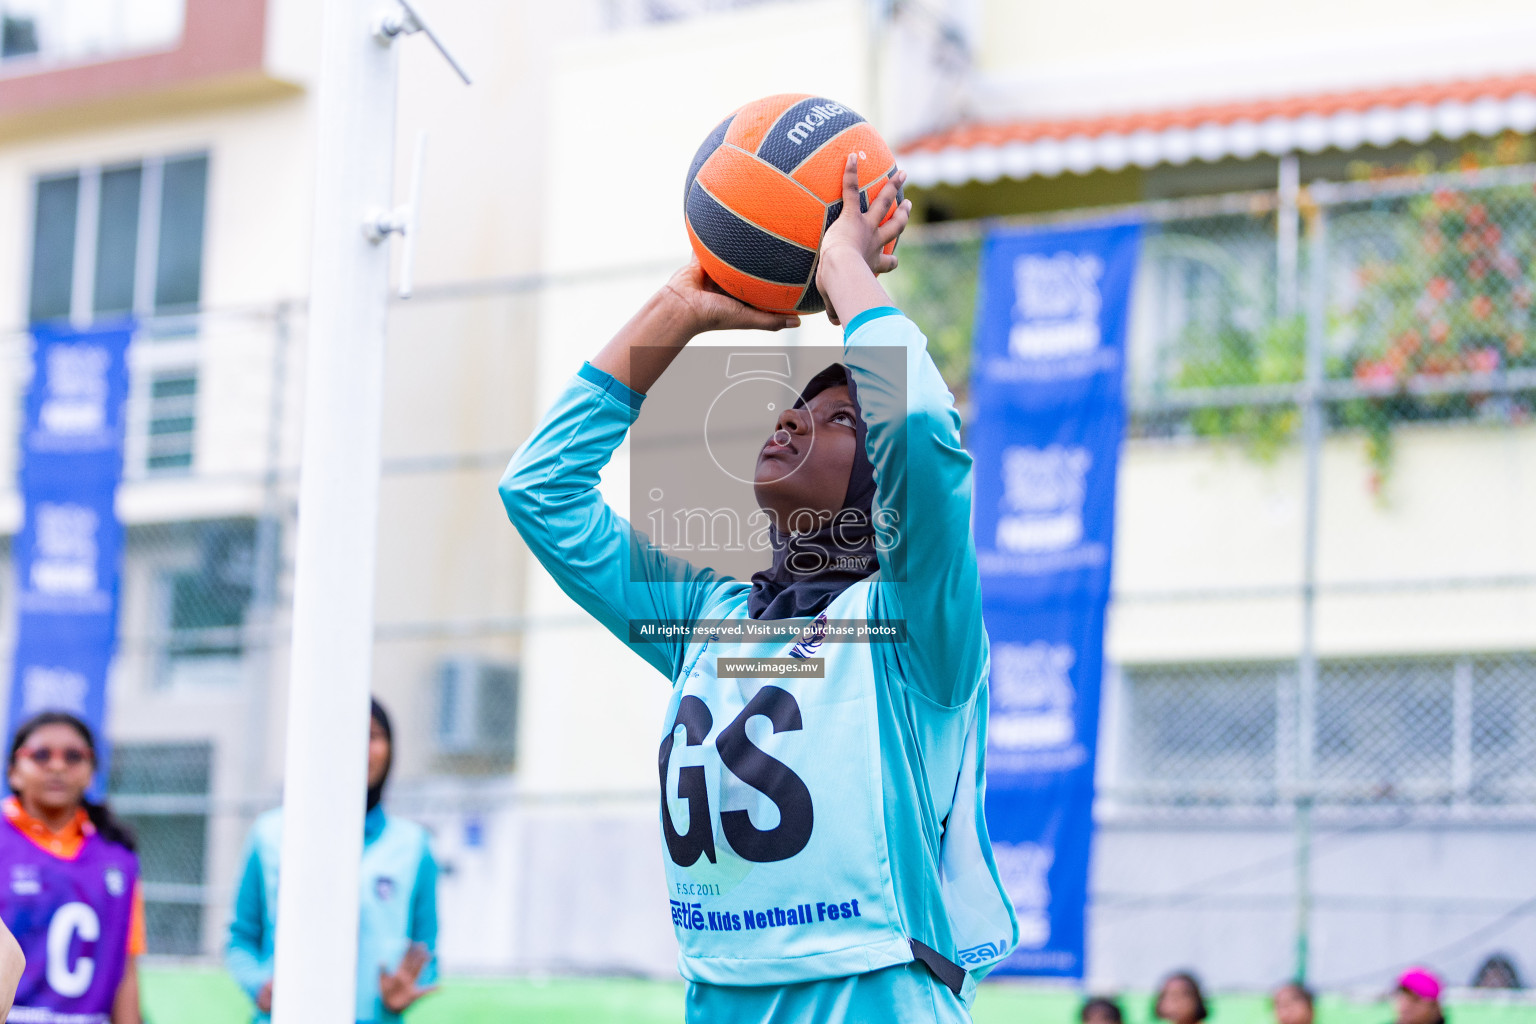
(704, 307)
(869, 233)
(856, 241)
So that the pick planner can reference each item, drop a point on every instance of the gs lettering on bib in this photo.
(771, 811)
(72, 919)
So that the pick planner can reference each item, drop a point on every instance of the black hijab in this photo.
(378, 714)
(841, 552)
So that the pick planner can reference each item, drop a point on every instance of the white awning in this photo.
(1346, 121)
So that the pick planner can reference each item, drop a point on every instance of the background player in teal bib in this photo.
(826, 852)
(397, 926)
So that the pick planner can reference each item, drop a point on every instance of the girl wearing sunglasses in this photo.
(70, 891)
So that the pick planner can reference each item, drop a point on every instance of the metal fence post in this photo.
(266, 561)
(1306, 661)
(1287, 237)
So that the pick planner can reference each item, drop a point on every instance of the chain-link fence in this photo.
(1322, 574)
(1413, 299)
(1424, 732)
(1276, 650)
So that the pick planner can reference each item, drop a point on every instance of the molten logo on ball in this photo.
(818, 116)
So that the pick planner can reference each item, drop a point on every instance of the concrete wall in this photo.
(1195, 518)
(1054, 59)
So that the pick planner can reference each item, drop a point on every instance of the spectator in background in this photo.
(71, 896)
(1293, 1004)
(398, 905)
(1498, 971)
(1179, 1000)
(1418, 997)
(1101, 1010)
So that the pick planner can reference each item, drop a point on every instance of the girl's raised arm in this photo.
(922, 474)
(550, 489)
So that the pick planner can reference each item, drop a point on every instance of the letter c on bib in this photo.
(68, 921)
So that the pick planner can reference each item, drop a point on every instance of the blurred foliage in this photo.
(1443, 284)
(936, 288)
(1423, 287)
(1432, 285)
(1229, 356)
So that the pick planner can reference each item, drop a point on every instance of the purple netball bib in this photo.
(72, 919)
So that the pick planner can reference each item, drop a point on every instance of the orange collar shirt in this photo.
(65, 844)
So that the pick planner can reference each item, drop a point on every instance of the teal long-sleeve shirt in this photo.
(929, 692)
(398, 907)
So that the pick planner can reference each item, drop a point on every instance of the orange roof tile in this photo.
(964, 136)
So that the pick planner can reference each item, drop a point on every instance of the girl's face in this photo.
(378, 752)
(1177, 1002)
(1413, 1010)
(803, 470)
(52, 770)
(1291, 1008)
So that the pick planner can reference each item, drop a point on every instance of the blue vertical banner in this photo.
(1048, 414)
(68, 554)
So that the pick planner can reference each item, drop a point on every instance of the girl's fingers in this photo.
(749, 319)
(851, 184)
(892, 229)
(883, 202)
(773, 321)
(885, 264)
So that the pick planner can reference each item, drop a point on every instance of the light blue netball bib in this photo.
(776, 853)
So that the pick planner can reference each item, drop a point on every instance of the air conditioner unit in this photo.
(476, 708)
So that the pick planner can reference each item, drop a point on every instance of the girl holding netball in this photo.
(825, 848)
(70, 892)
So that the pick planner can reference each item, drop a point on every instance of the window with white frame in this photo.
(172, 419)
(70, 31)
(121, 239)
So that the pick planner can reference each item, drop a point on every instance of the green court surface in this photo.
(198, 995)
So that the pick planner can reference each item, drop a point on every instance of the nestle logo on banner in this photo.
(1056, 306)
(75, 400)
(1034, 704)
(64, 550)
(1024, 870)
(1044, 490)
(47, 688)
